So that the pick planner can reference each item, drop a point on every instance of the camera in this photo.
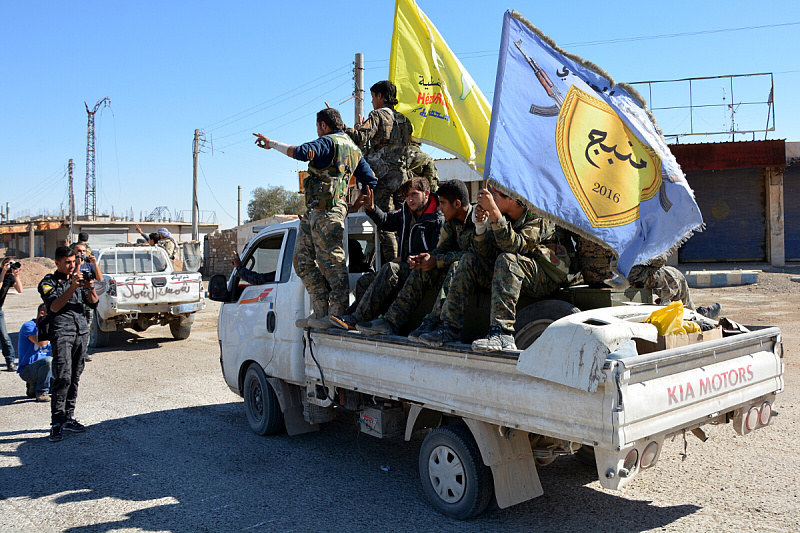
(84, 257)
(87, 276)
(16, 264)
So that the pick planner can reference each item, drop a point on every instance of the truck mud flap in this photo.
(290, 398)
(509, 455)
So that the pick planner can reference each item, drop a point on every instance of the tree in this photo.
(274, 201)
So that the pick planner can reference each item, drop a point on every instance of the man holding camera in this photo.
(8, 279)
(67, 293)
(89, 269)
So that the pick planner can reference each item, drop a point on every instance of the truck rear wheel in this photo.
(452, 473)
(97, 337)
(260, 403)
(179, 332)
(534, 319)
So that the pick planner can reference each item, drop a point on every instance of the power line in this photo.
(212, 192)
(270, 100)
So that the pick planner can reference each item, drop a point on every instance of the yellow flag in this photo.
(434, 89)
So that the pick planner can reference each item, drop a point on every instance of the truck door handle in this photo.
(271, 322)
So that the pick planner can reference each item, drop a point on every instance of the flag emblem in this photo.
(608, 168)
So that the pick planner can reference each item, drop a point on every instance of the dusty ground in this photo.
(169, 449)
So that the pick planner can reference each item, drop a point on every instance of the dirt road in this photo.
(168, 448)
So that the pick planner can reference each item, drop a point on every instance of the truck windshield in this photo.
(133, 261)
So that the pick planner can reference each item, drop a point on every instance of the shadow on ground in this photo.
(202, 469)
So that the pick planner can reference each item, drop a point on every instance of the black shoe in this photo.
(87, 358)
(56, 433)
(428, 325)
(10, 366)
(442, 335)
(30, 390)
(379, 326)
(347, 322)
(74, 426)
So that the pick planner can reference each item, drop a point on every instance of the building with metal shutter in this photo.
(739, 189)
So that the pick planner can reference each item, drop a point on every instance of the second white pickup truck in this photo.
(584, 383)
(140, 289)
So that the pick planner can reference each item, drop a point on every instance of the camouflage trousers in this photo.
(666, 282)
(386, 198)
(319, 257)
(383, 289)
(412, 293)
(515, 274)
(473, 272)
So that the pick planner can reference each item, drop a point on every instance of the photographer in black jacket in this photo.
(66, 293)
(8, 279)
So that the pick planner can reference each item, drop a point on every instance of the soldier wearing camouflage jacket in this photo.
(421, 164)
(533, 260)
(384, 138)
(428, 271)
(319, 253)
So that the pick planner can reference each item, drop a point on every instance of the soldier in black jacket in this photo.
(66, 294)
(418, 224)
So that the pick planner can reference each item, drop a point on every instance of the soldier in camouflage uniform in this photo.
(384, 137)
(428, 271)
(418, 223)
(319, 252)
(668, 283)
(531, 259)
(421, 164)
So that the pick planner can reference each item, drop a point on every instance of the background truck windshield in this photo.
(133, 261)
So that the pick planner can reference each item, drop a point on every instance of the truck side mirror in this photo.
(218, 288)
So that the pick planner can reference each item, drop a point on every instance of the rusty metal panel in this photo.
(718, 156)
(733, 204)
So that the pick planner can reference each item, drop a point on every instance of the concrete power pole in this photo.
(71, 205)
(195, 206)
(239, 212)
(359, 90)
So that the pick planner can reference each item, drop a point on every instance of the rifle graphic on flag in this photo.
(434, 90)
(596, 169)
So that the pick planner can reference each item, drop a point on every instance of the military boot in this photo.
(324, 321)
(319, 310)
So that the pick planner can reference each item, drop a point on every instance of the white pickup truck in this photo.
(578, 385)
(140, 289)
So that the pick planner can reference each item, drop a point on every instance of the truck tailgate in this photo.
(687, 386)
(155, 289)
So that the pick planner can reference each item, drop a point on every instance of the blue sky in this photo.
(231, 68)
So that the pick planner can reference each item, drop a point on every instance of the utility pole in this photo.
(359, 89)
(239, 211)
(71, 205)
(195, 207)
(91, 181)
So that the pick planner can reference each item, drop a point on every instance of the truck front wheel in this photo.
(260, 403)
(452, 473)
(179, 332)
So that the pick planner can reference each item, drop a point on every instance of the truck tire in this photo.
(179, 332)
(534, 319)
(452, 473)
(97, 337)
(260, 403)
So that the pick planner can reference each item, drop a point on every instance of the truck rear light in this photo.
(766, 414)
(752, 419)
(649, 455)
(629, 465)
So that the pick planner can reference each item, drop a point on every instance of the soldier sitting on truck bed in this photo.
(418, 223)
(428, 270)
(532, 260)
(667, 282)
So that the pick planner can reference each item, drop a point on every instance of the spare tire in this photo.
(534, 319)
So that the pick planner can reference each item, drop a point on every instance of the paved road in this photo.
(169, 449)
